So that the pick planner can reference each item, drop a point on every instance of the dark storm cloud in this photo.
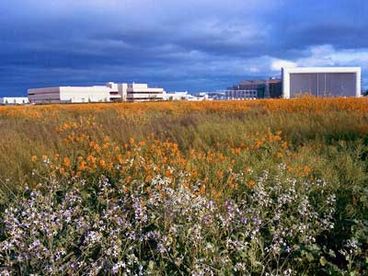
(337, 34)
(194, 45)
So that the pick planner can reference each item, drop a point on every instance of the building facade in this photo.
(236, 94)
(321, 81)
(138, 92)
(271, 88)
(111, 92)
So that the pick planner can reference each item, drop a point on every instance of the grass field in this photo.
(270, 187)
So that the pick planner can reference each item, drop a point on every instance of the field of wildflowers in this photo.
(266, 187)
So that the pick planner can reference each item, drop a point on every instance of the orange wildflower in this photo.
(91, 159)
(66, 162)
(102, 163)
(82, 166)
(251, 183)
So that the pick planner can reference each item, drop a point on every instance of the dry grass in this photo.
(208, 138)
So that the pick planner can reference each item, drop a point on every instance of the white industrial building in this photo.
(138, 92)
(184, 96)
(13, 100)
(175, 96)
(111, 92)
(72, 94)
(321, 81)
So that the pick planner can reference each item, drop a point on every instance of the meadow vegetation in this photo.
(269, 187)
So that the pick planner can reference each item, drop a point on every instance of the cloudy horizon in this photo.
(191, 45)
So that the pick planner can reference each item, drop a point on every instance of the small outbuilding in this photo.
(13, 100)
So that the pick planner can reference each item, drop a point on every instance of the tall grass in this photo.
(218, 151)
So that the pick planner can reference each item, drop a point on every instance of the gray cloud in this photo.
(193, 44)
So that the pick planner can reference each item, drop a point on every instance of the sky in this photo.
(194, 45)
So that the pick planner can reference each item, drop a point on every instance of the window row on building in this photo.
(240, 94)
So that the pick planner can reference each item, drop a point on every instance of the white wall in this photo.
(85, 94)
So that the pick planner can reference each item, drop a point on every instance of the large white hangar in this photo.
(321, 81)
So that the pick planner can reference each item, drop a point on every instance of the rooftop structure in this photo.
(322, 81)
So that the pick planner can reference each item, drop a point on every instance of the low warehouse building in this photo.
(13, 100)
(69, 94)
(111, 92)
(322, 81)
(184, 96)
